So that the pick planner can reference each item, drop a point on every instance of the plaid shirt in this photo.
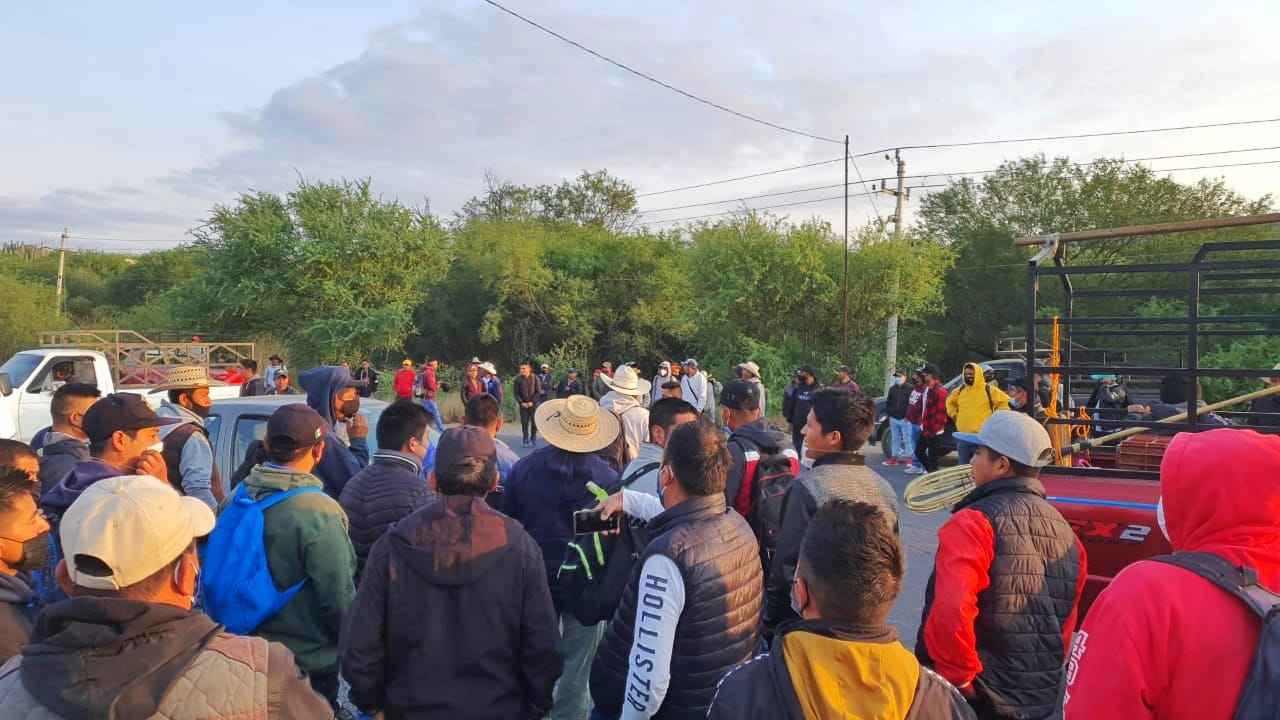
(935, 411)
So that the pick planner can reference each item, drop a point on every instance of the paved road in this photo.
(919, 535)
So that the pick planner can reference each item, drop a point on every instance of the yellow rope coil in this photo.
(938, 490)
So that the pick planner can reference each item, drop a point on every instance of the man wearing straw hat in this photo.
(1001, 603)
(626, 400)
(544, 491)
(187, 452)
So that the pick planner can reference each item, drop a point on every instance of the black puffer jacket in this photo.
(380, 496)
(719, 559)
(1034, 581)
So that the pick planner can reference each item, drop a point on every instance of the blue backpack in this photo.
(236, 586)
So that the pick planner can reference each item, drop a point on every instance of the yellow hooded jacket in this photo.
(971, 405)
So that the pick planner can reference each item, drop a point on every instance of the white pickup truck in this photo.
(28, 379)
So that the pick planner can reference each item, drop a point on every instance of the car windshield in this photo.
(19, 367)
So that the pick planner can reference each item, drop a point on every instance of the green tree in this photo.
(985, 292)
(329, 269)
(29, 308)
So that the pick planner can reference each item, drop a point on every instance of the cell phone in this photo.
(586, 522)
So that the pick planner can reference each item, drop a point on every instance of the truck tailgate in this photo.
(1114, 515)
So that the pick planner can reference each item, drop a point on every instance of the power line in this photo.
(744, 197)
(110, 239)
(656, 81)
(773, 207)
(1071, 137)
(740, 177)
(948, 174)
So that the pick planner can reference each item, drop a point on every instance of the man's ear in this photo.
(499, 424)
(186, 575)
(497, 480)
(317, 451)
(431, 482)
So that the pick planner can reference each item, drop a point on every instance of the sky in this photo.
(127, 122)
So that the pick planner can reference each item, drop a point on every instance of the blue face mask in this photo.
(897, 381)
(660, 493)
(1013, 403)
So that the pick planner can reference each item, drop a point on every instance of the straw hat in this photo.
(186, 377)
(489, 368)
(626, 381)
(576, 424)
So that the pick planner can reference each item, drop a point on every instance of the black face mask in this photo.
(968, 381)
(34, 553)
(351, 407)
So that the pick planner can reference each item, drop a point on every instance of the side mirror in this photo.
(6, 385)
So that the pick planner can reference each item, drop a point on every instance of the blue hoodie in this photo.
(339, 463)
(82, 475)
(543, 492)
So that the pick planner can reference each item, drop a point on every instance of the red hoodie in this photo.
(1161, 642)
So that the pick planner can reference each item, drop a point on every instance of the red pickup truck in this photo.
(1110, 494)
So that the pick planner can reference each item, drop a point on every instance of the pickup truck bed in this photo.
(1113, 512)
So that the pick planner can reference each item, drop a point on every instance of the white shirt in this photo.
(660, 601)
(633, 416)
(694, 390)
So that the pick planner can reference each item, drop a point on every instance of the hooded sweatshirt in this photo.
(118, 659)
(339, 462)
(306, 539)
(825, 669)
(58, 454)
(82, 475)
(755, 446)
(544, 491)
(1160, 641)
(16, 593)
(971, 405)
(481, 576)
(633, 416)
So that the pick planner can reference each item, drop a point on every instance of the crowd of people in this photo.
(664, 551)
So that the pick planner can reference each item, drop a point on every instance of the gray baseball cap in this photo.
(1014, 435)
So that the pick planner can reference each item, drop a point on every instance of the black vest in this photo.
(1024, 610)
(172, 454)
(719, 559)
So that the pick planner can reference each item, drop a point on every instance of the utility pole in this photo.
(901, 195)
(62, 266)
(844, 356)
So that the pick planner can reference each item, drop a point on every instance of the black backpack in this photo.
(1261, 695)
(596, 570)
(774, 474)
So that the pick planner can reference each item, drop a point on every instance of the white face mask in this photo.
(1160, 519)
(158, 447)
(805, 461)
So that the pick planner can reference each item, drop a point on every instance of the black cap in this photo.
(121, 411)
(740, 395)
(931, 369)
(809, 370)
(843, 368)
(293, 427)
(465, 445)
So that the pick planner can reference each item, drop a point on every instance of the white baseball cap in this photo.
(1014, 435)
(133, 524)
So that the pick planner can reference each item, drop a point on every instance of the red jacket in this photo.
(403, 383)
(1159, 641)
(934, 420)
(429, 384)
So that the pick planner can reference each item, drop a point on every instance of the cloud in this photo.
(430, 104)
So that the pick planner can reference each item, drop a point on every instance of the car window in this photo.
(213, 424)
(248, 429)
(20, 367)
(80, 369)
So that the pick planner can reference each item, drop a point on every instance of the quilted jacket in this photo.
(87, 654)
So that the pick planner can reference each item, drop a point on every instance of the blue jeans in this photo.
(965, 450)
(430, 405)
(572, 698)
(899, 434)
